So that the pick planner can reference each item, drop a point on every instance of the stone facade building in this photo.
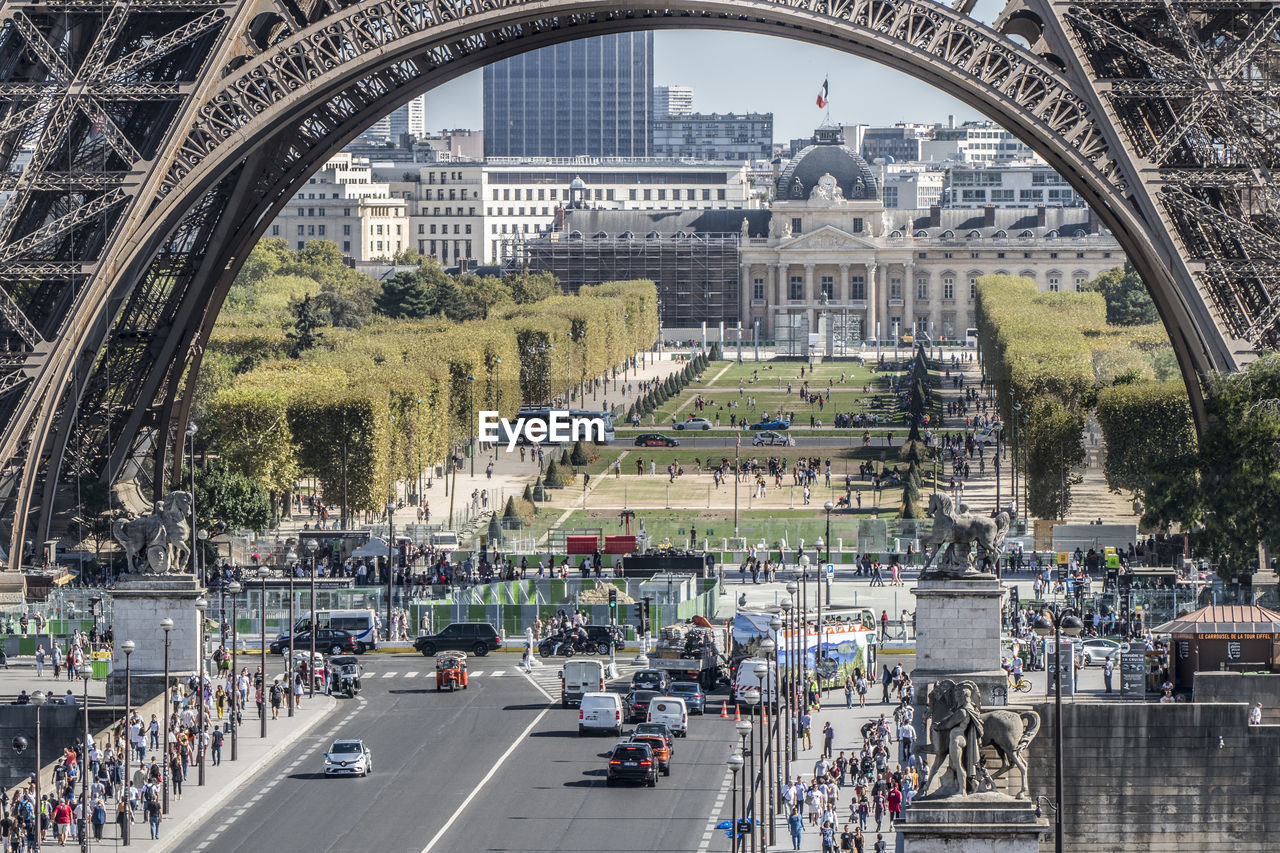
(828, 265)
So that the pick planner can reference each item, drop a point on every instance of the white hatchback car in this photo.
(692, 423)
(349, 758)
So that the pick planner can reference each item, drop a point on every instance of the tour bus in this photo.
(543, 414)
(358, 622)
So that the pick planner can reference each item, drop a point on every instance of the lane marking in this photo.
(388, 675)
(715, 816)
(413, 673)
(497, 672)
(476, 790)
(475, 674)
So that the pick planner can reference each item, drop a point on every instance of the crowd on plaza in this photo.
(881, 769)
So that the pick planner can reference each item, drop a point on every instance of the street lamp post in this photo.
(127, 647)
(191, 459)
(312, 547)
(1065, 621)
(765, 806)
(744, 735)
(391, 546)
(803, 661)
(471, 383)
(38, 699)
(202, 689)
(166, 625)
(770, 648)
(236, 702)
(86, 673)
(289, 663)
(787, 607)
(735, 764)
(263, 572)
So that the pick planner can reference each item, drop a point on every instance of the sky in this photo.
(725, 78)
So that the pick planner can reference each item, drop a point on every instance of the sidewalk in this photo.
(847, 723)
(201, 806)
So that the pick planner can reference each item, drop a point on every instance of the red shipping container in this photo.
(619, 544)
(581, 544)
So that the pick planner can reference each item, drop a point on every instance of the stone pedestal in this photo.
(958, 637)
(975, 823)
(141, 602)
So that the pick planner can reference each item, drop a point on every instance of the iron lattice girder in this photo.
(369, 28)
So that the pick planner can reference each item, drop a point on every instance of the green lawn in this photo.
(774, 387)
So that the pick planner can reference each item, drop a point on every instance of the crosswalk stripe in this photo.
(411, 674)
(497, 672)
(475, 674)
(388, 675)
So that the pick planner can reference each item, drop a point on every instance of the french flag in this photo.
(822, 96)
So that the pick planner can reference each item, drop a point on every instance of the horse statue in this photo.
(959, 729)
(959, 531)
(160, 538)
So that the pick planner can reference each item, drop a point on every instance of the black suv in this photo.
(335, 641)
(633, 762)
(479, 638)
(604, 637)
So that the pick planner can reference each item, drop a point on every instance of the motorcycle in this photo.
(565, 646)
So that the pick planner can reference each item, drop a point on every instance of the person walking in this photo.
(796, 824)
(828, 739)
(98, 819)
(277, 698)
(1108, 669)
(806, 722)
(848, 692)
(153, 812)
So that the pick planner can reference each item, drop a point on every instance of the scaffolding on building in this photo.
(697, 275)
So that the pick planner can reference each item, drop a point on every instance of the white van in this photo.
(672, 711)
(600, 712)
(358, 622)
(745, 679)
(578, 677)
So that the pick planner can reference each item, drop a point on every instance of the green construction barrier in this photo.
(100, 668)
(26, 645)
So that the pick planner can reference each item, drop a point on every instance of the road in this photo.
(495, 767)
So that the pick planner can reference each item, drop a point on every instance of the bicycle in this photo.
(1021, 684)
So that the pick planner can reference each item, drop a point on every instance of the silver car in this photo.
(348, 758)
(1097, 650)
(692, 423)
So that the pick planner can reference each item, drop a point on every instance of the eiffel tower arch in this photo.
(168, 133)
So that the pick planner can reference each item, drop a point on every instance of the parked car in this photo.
(655, 439)
(661, 752)
(692, 423)
(769, 438)
(652, 679)
(335, 641)
(691, 693)
(771, 425)
(478, 638)
(348, 757)
(637, 704)
(1097, 650)
(632, 762)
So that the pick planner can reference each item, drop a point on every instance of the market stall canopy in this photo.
(1224, 619)
(375, 547)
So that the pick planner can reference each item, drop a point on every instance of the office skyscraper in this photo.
(588, 97)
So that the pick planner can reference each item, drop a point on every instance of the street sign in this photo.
(831, 571)
(1133, 674)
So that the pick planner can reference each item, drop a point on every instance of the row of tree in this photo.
(669, 387)
(363, 410)
(1049, 355)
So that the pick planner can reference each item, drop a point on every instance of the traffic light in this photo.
(613, 597)
(640, 616)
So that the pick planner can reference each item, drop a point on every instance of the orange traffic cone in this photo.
(736, 716)
(724, 710)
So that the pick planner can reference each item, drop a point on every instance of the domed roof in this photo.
(856, 179)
